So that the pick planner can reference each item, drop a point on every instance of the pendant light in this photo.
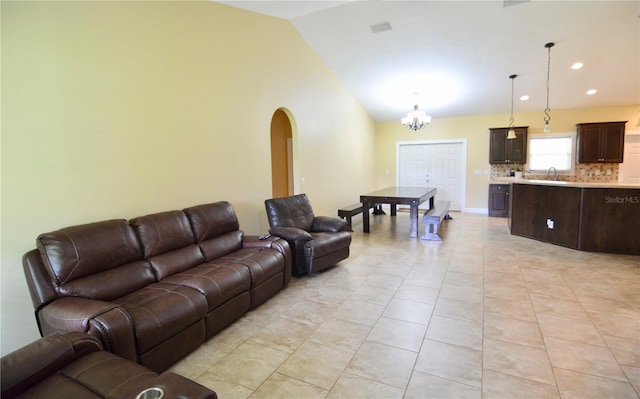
(547, 117)
(512, 133)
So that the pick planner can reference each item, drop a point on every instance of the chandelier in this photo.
(416, 120)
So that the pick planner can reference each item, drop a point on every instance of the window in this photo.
(552, 150)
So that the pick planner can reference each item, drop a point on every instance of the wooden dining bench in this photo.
(432, 219)
(349, 211)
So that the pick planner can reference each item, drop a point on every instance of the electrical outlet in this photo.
(550, 224)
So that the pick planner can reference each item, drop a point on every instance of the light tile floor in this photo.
(482, 314)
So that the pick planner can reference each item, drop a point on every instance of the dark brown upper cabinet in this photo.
(505, 151)
(600, 142)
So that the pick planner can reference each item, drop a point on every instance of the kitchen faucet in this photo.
(555, 173)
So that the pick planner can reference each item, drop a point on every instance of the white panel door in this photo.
(439, 165)
(445, 175)
(629, 171)
(414, 165)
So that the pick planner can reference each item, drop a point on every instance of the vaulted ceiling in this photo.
(458, 55)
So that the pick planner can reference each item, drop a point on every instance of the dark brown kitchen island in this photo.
(597, 217)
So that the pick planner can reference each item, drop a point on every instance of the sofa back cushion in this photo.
(216, 228)
(294, 211)
(101, 260)
(167, 242)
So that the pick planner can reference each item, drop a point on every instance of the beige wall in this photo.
(475, 130)
(119, 109)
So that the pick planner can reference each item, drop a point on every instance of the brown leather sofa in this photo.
(317, 242)
(153, 288)
(74, 365)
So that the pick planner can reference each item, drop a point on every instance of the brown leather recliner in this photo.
(74, 365)
(317, 242)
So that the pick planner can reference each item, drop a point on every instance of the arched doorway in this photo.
(281, 155)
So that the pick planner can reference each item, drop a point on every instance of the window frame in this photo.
(572, 161)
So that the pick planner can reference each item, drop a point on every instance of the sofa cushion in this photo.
(222, 245)
(159, 311)
(212, 220)
(109, 375)
(216, 228)
(97, 375)
(112, 283)
(167, 242)
(101, 260)
(59, 386)
(217, 282)
(261, 263)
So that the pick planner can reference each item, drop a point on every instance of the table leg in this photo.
(394, 209)
(365, 216)
(413, 221)
(377, 210)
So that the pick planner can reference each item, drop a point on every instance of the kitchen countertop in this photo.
(578, 184)
(602, 184)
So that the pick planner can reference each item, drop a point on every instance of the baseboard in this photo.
(483, 211)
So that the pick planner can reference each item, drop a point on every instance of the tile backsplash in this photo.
(584, 172)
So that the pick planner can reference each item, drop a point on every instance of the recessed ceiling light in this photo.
(524, 98)
(577, 65)
(591, 92)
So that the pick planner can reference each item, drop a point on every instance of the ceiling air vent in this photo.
(377, 28)
(514, 2)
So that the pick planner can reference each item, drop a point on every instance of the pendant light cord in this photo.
(547, 117)
(511, 120)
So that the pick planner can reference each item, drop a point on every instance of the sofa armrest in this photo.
(258, 242)
(38, 360)
(177, 386)
(291, 234)
(271, 242)
(329, 224)
(104, 320)
(276, 243)
(39, 282)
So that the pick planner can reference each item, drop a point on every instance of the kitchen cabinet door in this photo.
(498, 200)
(600, 142)
(507, 151)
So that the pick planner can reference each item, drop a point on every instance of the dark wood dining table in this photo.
(398, 195)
